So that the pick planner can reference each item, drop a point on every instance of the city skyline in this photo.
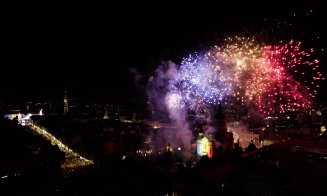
(163, 98)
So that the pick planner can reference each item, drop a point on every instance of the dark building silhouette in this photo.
(224, 137)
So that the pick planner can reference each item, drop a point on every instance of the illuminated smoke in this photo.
(165, 102)
(241, 73)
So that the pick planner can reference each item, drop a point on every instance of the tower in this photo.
(106, 116)
(65, 104)
(222, 135)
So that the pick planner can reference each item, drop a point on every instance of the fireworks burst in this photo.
(198, 105)
(268, 74)
(274, 78)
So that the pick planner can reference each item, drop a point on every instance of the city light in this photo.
(204, 147)
(73, 159)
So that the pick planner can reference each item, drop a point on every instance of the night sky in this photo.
(94, 51)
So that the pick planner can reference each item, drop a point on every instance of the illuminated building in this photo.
(11, 116)
(204, 147)
(65, 104)
(23, 119)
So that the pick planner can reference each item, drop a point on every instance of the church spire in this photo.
(106, 115)
(65, 103)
